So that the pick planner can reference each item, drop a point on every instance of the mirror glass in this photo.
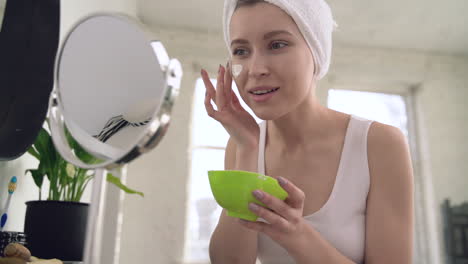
(109, 85)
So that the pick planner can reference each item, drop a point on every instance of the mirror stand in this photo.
(93, 242)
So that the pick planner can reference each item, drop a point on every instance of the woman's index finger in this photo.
(208, 85)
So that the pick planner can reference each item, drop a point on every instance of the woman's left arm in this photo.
(389, 219)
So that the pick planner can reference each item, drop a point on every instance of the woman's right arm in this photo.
(231, 243)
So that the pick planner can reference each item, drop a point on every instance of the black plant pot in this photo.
(56, 229)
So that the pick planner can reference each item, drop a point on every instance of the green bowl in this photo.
(232, 190)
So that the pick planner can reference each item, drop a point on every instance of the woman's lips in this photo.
(263, 97)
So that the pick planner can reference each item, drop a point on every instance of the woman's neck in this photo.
(308, 122)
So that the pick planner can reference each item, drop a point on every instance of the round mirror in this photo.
(115, 88)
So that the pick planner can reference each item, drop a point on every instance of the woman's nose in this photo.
(258, 66)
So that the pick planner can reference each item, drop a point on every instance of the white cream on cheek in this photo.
(236, 70)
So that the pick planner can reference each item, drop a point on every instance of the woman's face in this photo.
(268, 45)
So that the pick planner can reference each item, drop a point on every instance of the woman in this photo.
(349, 180)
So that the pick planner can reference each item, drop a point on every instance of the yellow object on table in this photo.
(16, 250)
(12, 261)
(45, 261)
(16, 253)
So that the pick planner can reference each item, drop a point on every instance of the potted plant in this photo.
(55, 227)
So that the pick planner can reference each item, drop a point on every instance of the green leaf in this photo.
(34, 153)
(42, 147)
(82, 187)
(116, 181)
(79, 151)
(54, 156)
(38, 176)
(40, 142)
(65, 179)
(47, 153)
(42, 168)
(51, 164)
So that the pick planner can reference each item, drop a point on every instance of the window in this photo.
(389, 109)
(209, 139)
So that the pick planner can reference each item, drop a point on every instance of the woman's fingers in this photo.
(272, 217)
(235, 102)
(275, 204)
(209, 107)
(220, 95)
(208, 85)
(210, 93)
(232, 95)
(223, 95)
(296, 196)
(228, 82)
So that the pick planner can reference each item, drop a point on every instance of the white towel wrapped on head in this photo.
(314, 20)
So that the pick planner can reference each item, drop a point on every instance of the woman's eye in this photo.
(278, 45)
(239, 52)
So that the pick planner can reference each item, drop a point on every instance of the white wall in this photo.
(153, 227)
(443, 98)
(26, 190)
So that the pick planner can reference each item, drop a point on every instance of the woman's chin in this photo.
(267, 115)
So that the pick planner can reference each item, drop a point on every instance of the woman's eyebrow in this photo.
(266, 36)
(239, 41)
(276, 32)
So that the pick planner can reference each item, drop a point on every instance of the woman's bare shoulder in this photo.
(389, 159)
(387, 146)
(385, 141)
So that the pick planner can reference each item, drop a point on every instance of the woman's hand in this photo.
(286, 223)
(240, 125)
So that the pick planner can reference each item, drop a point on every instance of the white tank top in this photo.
(341, 221)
